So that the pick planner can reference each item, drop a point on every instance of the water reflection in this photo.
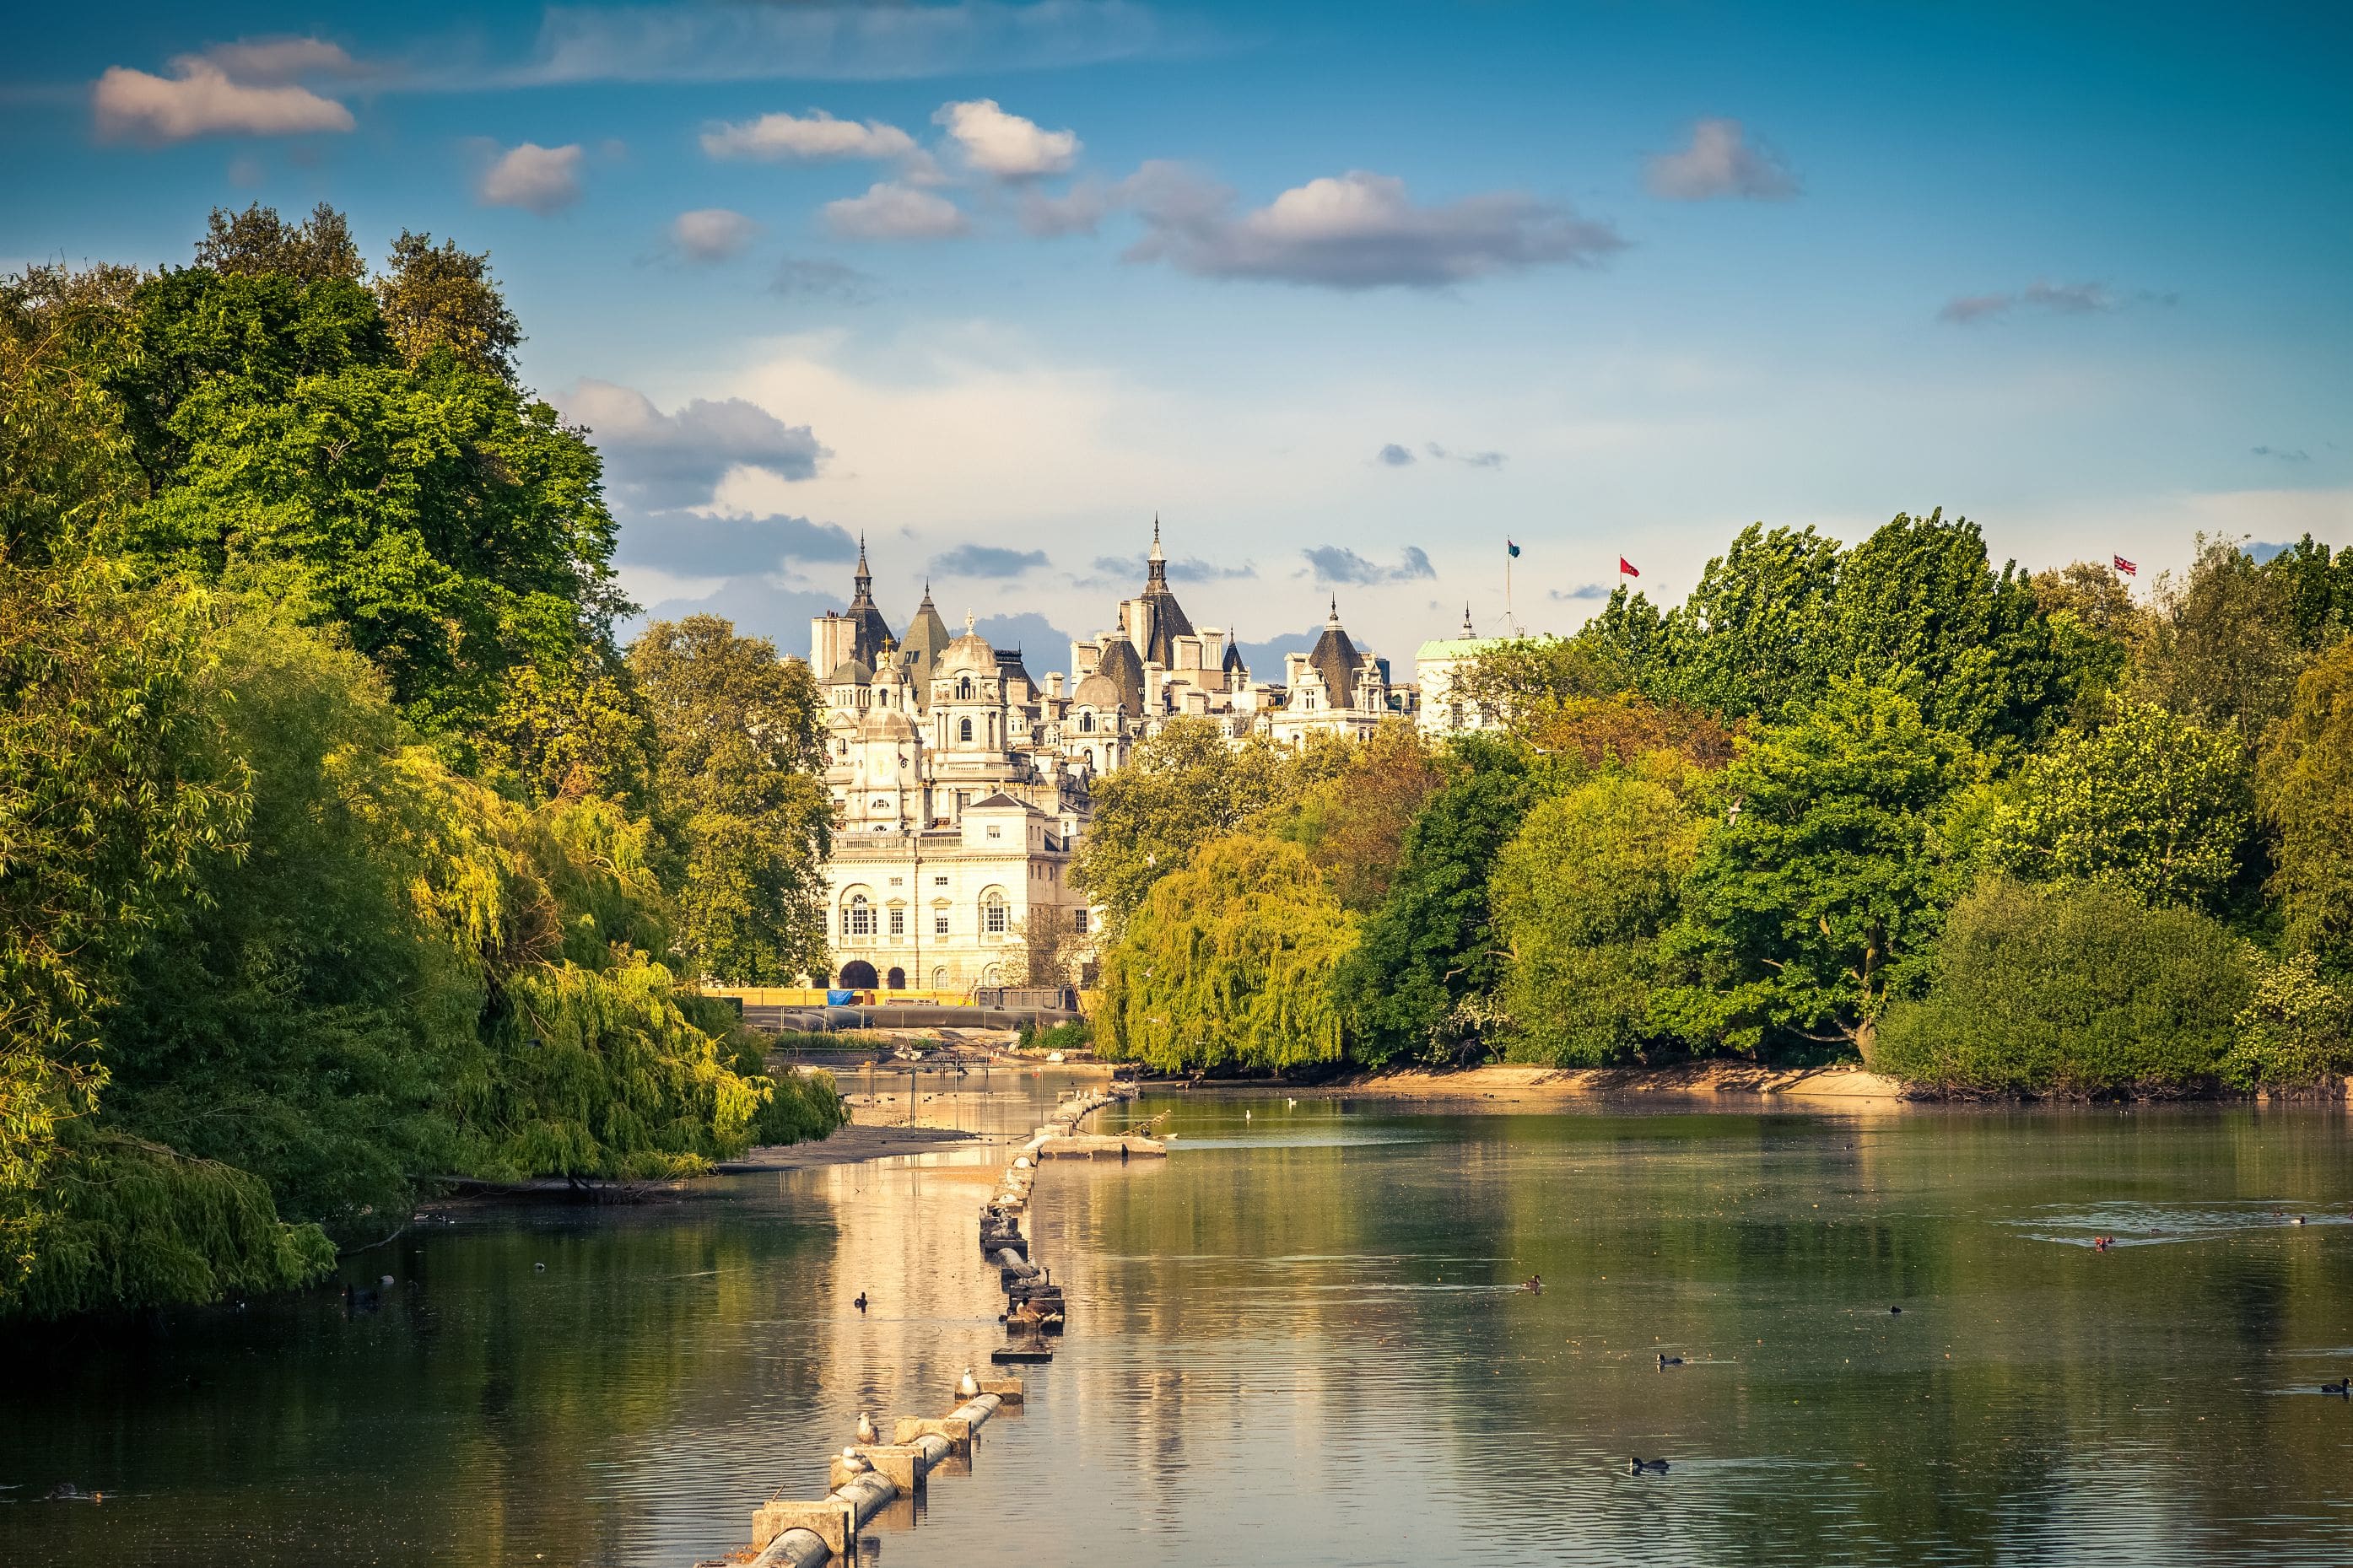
(1297, 1340)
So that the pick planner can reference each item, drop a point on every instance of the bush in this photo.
(2297, 1032)
(2070, 989)
(1072, 1035)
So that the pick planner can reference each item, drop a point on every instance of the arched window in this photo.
(964, 690)
(1086, 723)
(992, 916)
(963, 729)
(857, 916)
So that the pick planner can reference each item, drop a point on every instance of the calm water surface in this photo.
(1296, 1342)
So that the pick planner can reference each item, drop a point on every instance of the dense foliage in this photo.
(1994, 833)
(341, 848)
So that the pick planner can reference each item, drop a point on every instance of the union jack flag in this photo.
(2124, 566)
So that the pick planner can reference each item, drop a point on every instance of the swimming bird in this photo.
(1666, 1361)
(1895, 1312)
(539, 1268)
(2345, 1387)
(860, 1302)
(1649, 1466)
(968, 1386)
(865, 1427)
(1533, 1282)
(385, 1282)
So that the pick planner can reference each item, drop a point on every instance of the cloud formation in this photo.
(890, 211)
(986, 561)
(1359, 230)
(2282, 454)
(1189, 568)
(1582, 591)
(541, 180)
(1080, 210)
(1720, 162)
(1005, 146)
(780, 138)
(1470, 460)
(2060, 299)
(663, 462)
(1395, 456)
(832, 42)
(1336, 564)
(816, 277)
(711, 234)
(246, 89)
(690, 544)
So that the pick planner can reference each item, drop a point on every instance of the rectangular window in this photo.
(993, 919)
(939, 925)
(939, 881)
(898, 923)
(858, 920)
(995, 831)
(1079, 921)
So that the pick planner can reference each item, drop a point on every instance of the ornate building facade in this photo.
(963, 786)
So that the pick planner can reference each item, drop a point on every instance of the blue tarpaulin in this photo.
(841, 998)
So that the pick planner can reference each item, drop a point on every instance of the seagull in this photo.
(968, 1385)
(865, 1428)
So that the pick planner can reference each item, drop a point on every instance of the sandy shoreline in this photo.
(1737, 1086)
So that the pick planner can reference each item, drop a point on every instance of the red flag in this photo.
(1627, 567)
(2124, 566)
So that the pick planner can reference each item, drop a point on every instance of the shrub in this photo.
(2070, 989)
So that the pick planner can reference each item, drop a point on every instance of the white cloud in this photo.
(204, 99)
(1357, 231)
(890, 211)
(1079, 211)
(1720, 162)
(1006, 145)
(281, 59)
(538, 179)
(711, 234)
(2060, 299)
(803, 139)
(667, 461)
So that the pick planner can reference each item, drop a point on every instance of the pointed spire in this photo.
(863, 578)
(1155, 538)
(1467, 633)
(1335, 618)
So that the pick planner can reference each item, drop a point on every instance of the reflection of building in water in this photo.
(963, 785)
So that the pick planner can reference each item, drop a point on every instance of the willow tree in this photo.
(1228, 963)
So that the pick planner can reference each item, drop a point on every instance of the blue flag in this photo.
(1513, 548)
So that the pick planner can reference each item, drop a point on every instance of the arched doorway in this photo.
(896, 980)
(858, 975)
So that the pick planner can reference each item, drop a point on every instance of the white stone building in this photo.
(1438, 667)
(963, 787)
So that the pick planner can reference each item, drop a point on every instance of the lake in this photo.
(1297, 1341)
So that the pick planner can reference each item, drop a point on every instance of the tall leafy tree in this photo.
(2307, 795)
(1181, 789)
(2318, 584)
(1759, 630)
(2223, 651)
(2147, 802)
(1353, 825)
(440, 300)
(1582, 894)
(1430, 955)
(1228, 963)
(741, 745)
(257, 242)
(1822, 890)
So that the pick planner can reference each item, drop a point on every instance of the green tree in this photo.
(1181, 789)
(742, 744)
(1759, 630)
(439, 299)
(109, 814)
(2147, 803)
(66, 461)
(2223, 651)
(1228, 963)
(1353, 824)
(1415, 984)
(257, 242)
(2095, 629)
(2295, 1031)
(1822, 890)
(2319, 586)
(2070, 989)
(1581, 895)
(2306, 792)
(1920, 609)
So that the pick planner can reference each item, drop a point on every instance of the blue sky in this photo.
(1346, 294)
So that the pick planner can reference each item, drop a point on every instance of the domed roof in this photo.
(1100, 690)
(851, 672)
(887, 724)
(968, 655)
